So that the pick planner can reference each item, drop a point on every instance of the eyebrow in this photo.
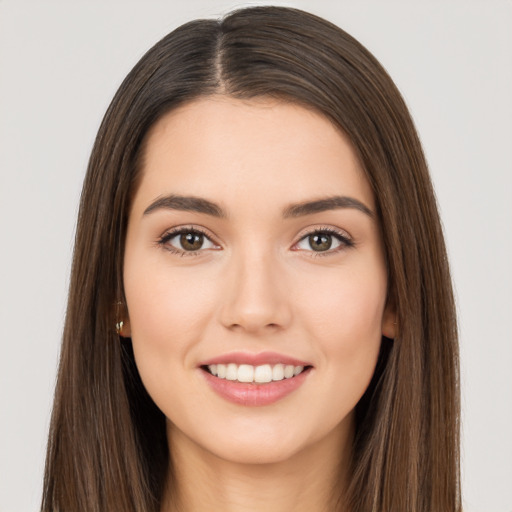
(186, 203)
(201, 205)
(322, 205)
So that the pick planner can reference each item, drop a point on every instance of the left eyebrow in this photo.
(322, 205)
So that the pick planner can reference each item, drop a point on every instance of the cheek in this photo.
(164, 306)
(168, 312)
(343, 314)
(168, 316)
(341, 304)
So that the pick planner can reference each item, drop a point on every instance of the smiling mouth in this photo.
(261, 374)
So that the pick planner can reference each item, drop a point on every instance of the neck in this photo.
(313, 479)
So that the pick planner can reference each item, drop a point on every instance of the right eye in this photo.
(183, 241)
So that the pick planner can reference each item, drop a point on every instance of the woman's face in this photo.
(254, 278)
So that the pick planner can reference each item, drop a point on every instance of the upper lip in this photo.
(261, 358)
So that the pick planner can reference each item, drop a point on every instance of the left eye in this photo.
(188, 241)
(322, 241)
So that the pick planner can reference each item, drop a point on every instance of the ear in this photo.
(123, 326)
(125, 331)
(389, 321)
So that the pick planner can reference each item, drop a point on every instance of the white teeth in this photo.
(232, 371)
(261, 374)
(278, 372)
(288, 371)
(245, 373)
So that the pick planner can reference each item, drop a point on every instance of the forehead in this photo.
(250, 149)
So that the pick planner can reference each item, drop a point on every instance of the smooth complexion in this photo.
(261, 267)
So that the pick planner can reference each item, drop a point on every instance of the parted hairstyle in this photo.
(107, 448)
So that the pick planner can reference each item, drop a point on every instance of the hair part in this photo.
(107, 448)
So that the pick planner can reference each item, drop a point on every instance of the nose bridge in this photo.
(256, 299)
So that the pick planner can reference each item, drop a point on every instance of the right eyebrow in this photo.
(186, 203)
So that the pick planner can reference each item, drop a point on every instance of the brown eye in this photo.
(183, 241)
(320, 242)
(191, 241)
(323, 240)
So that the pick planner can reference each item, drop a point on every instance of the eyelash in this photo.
(344, 240)
(163, 241)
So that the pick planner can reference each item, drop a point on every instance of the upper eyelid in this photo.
(324, 229)
(172, 232)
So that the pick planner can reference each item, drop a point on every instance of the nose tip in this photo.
(252, 321)
(255, 300)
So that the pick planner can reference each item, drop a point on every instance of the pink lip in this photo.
(254, 359)
(251, 394)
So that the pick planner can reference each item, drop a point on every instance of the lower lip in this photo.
(252, 394)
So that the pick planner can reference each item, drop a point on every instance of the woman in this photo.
(260, 312)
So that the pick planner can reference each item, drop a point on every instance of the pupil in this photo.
(191, 241)
(320, 242)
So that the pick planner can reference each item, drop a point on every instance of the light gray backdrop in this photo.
(60, 63)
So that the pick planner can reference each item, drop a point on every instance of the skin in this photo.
(256, 284)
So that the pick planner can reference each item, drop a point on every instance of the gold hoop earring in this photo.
(119, 327)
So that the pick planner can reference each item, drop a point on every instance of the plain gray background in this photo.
(60, 64)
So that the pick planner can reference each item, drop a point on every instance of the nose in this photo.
(256, 300)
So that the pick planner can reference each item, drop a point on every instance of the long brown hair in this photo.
(107, 446)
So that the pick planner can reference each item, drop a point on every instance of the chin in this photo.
(272, 443)
(254, 451)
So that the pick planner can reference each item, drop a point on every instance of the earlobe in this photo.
(123, 328)
(389, 322)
